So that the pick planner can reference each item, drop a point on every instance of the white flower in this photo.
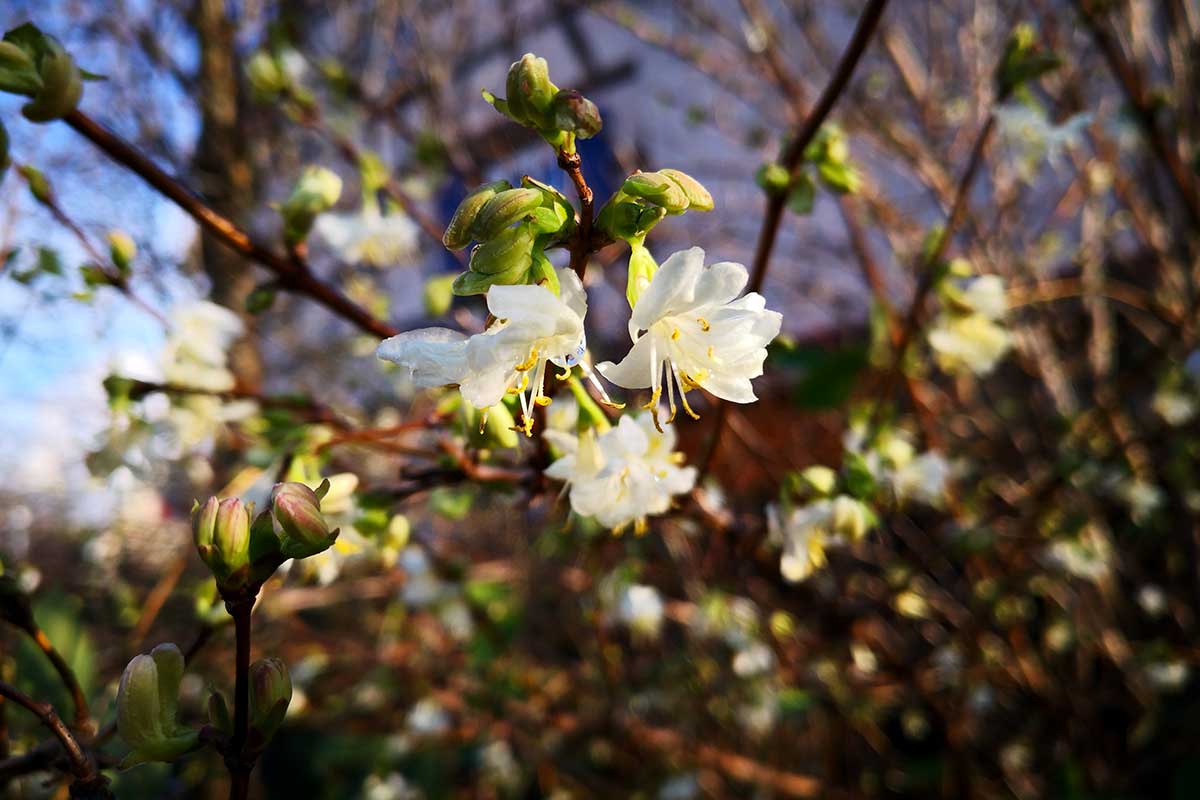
(1089, 556)
(368, 236)
(428, 718)
(533, 327)
(195, 354)
(1033, 137)
(695, 332)
(967, 335)
(1175, 407)
(641, 608)
(804, 534)
(922, 479)
(1168, 676)
(753, 660)
(622, 475)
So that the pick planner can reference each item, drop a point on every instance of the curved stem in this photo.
(88, 781)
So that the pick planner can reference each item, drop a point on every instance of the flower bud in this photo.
(39, 185)
(222, 533)
(18, 73)
(297, 510)
(470, 283)
(265, 77)
(502, 210)
(121, 249)
(317, 191)
(698, 197)
(656, 188)
(62, 86)
(821, 480)
(575, 114)
(530, 91)
(270, 694)
(146, 703)
(457, 233)
(773, 178)
(512, 249)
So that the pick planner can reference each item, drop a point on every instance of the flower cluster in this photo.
(691, 326)
(968, 335)
(838, 509)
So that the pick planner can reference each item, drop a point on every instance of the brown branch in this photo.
(293, 273)
(1131, 82)
(792, 157)
(581, 246)
(89, 783)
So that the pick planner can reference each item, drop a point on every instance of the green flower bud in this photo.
(656, 188)
(821, 480)
(146, 703)
(39, 184)
(317, 191)
(510, 250)
(1022, 61)
(575, 114)
(438, 295)
(698, 197)
(773, 178)
(270, 694)
(840, 177)
(502, 210)
(266, 78)
(803, 194)
(221, 529)
(297, 510)
(458, 232)
(18, 72)
(122, 250)
(543, 273)
(62, 86)
(470, 283)
(530, 88)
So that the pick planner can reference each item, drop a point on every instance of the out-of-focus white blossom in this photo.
(688, 326)
(1152, 599)
(1168, 676)
(967, 335)
(1174, 406)
(369, 237)
(753, 660)
(623, 475)
(1089, 555)
(805, 532)
(1032, 137)
(428, 718)
(640, 608)
(196, 350)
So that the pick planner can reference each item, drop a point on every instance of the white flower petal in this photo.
(673, 287)
(434, 356)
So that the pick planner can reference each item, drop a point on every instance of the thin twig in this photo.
(89, 781)
(294, 274)
(236, 758)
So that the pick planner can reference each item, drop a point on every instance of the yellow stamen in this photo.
(675, 335)
(710, 352)
(482, 421)
(564, 375)
(522, 387)
(543, 401)
(640, 526)
(683, 398)
(524, 366)
(704, 326)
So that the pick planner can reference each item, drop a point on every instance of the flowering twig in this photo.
(792, 157)
(293, 273)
